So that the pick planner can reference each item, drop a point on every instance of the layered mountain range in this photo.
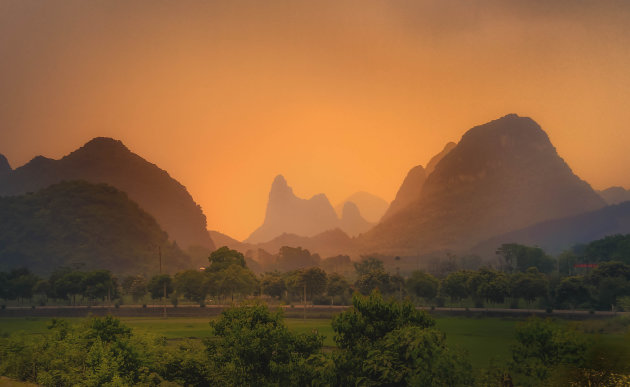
(501, 176)
(502, 182)
(370, 206)
(105, 160)
(556, 235)
(615, 195)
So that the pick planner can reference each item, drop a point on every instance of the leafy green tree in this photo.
(610, 248)
(372, 280)
(529, 285)
(21, 283)
(572, 291)
(368, 265)
(391, 343)
(315, 280)
(273, 284)
(413, 356)
(138, 288)
(235, 279)
(192, 284)
(4, 285)
(422, 284)
(160, 284)
(99, 284)
(566, 260)
(97, 352)
(295, 258)
(455, 285)
(338, 287)
(541, 346)
(371, 318)
(489, 285)
(252, 346)
(126, 283)
(340, 264)
(223, 258)
(609, 281)
(70, 285)
(609, 270)
(520, 258)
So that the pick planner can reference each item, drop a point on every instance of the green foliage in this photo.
(610, 280)
(340, 264)
(520, 258)
(273, 284)
(295, 258)
(160, 284)
(490, 285)
(191, 284)
(610, 248)
(338, 287)
(373, 280)
(252, 346)
(77, 222)
(572, 291)
(542, 346)
(100, 351)
(314, 279)
(455, 285)
(99, 284)
(18, 283)
(235, 279)
(389, 343)
(368, 265)
(371, 318)
(414, 356)
(138, 288)
(529, 285)
(424, 285)
(223, 258)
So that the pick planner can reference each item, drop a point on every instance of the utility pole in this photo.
(163, 282)
(304, 300)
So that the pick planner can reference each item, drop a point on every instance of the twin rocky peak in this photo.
(287, 213)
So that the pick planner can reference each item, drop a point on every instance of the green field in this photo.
(482, 338)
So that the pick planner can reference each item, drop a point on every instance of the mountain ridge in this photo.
(489, 183)
(106, 160)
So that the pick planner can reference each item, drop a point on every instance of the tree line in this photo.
(523, 275)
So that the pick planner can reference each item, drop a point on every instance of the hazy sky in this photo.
(337, 96)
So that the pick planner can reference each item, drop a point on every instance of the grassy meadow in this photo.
(482, 338)
(485, 339)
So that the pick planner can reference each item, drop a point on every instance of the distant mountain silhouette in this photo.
(437, 158)
(288, 214)
(83, 225)
(326, 244)
(221, 240)
(370, 206)
(501, 176)
(5, 167)
(411, 188)
(409, 191)
(351, 222)
(105, 160)
(615, 195)
(554, 236)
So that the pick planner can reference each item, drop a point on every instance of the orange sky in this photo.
(337, 96)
